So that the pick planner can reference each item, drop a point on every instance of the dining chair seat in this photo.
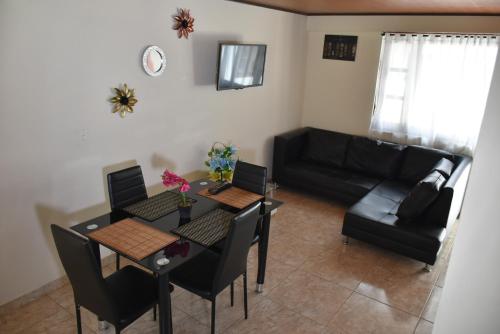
(134, 291)
(198, 274)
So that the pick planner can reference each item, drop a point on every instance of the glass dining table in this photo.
(183, 249)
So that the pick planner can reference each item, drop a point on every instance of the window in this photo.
(432, 89)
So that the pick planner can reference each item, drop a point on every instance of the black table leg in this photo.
(263, 244)
(102, 325)
(165, 311)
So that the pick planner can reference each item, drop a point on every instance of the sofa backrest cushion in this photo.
(374, 157)
(326, 147)
(419, 161)
(421, 196)
(444, 166)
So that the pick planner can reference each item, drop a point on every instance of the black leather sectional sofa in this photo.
(376, 177)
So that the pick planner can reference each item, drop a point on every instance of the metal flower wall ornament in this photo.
(183, 23)
(124, 100)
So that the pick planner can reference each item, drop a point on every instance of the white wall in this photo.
(471, 297)
(339, 94)
(59, 60)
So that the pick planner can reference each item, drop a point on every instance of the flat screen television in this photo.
(240, 66)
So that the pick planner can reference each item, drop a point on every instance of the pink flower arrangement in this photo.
(171, 179)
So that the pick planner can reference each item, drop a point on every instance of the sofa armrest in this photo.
(445, 210)
(459, 172)
(287, 148)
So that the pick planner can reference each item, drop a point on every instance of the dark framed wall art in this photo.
(340, 47)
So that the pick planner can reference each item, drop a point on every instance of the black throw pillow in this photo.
(421, 196)
(444, 166)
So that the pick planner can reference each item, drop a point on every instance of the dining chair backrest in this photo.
(233, 260)
(126, 187)
(80, 264)
(250, 177)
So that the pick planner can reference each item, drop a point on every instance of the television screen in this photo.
(240, 66)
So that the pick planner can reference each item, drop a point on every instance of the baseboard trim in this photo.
(45, 289)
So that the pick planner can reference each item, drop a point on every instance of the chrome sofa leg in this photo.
(346, 240)
(102, 325)
(427, 268)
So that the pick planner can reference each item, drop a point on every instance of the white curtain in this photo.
(432, 89)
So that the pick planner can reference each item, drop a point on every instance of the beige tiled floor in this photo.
(314, 284)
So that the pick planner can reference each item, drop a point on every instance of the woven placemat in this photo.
(207, 229)
(132, 238)
(156, 206)
(235, 197)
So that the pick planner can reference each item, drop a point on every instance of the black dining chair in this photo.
(210, 273)
(250, 177)
(125, 188)
(119, 299)
(253, 178)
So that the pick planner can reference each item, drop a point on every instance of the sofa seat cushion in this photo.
(374, 157)
(326, 147)
(419, 161)
(376, 214)
(337, 179)
(394, 190)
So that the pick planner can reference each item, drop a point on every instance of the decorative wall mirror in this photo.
(154, 61)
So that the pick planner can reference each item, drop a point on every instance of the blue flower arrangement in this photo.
(221, 161)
